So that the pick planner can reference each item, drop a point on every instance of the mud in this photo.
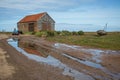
(32, 58)
(80, 60)
(28, 69)
(6, 70)
(50, 60)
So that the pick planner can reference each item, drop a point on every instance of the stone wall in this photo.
(24, 27)
(50, 24)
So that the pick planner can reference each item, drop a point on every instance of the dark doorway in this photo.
(31, 27)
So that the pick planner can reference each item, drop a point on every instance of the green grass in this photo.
(109, 41)
(5, 32)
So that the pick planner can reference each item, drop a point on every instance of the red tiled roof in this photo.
(32, 18)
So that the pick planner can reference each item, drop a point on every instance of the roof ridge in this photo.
(37, 14)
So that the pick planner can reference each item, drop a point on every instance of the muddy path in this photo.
(27, 69)
(99, 64)
(33, 58)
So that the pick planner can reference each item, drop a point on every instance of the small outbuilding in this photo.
(36, 22)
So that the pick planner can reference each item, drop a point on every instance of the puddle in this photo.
(95, 65)
(96, 57)
(96, 53)
(50, 60)
(88, 63)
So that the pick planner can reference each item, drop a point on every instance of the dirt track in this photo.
(20, 67)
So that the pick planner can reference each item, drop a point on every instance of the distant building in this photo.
(36, 22)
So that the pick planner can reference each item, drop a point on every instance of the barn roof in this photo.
(32, 18)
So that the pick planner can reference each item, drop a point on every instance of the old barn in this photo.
(36, 22)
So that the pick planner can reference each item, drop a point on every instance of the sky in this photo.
(93, 12)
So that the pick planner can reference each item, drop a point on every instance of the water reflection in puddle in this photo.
(96, 56)
(88, 63)
(96, 53)
(51, 61)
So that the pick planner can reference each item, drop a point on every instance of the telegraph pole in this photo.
(105, 28)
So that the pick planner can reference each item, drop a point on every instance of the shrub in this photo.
(30, 33)
(65, 33)
(74, 33)
(38, 34)
(57, 32)
(41, 34)
(80, 33)
(51, 33)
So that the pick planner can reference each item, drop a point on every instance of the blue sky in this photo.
(96, 12)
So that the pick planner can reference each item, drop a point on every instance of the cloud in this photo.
(42, 4)
(62, 11)
(35, 4)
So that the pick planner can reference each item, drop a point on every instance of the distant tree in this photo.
(80, 33)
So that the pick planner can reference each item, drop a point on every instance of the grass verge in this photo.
(90, 39)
